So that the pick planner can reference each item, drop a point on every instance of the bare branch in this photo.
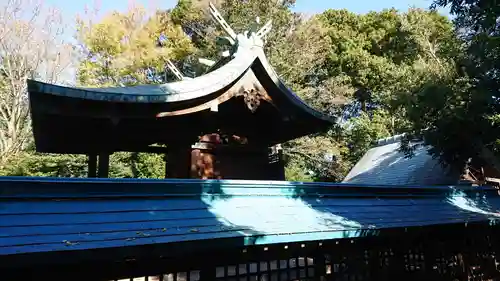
(31, 45)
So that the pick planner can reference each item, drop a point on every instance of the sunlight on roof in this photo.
(272, 214)
(461, 200)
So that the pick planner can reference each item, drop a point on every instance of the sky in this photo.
(358, 6)
(70, 8)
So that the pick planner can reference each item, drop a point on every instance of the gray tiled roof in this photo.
(385, 165)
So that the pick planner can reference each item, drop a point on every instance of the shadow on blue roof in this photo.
(119, 216)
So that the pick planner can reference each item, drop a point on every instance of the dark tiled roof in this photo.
(386, 165)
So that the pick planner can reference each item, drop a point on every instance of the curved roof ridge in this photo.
(389, 140)
(168, 92)
(289, 93)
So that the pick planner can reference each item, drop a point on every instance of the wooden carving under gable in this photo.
(252, 92)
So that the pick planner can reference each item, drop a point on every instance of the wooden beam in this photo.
(213, 105)
(174, 70)
(154, 149)
(103, 165)
(144, 149)
(265, 29)
(222, 22)
(242, 148)
(495, 180)
(92, 165)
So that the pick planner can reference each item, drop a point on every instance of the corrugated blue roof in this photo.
(386, 165)
(61, 218)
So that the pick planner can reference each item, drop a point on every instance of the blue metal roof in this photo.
(44, 216)
(386, 165)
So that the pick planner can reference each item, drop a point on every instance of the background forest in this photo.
(413, 72)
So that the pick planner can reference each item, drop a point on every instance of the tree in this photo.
(457, 113)
(31, 46)
(375, 60)
(379, 52)
(316, 158)
(130, 48)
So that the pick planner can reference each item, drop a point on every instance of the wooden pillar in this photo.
(180, 161)
(281, 165)
(92, 165)
(319, 263)
(276, 170)
(103, 165)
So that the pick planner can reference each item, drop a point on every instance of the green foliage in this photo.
(378, 51)
(122, 165)
(367, 129)
(376, 61)
(48, 165)
(456, 111)
(137, 165)
(123, 47)
(296, 171)
(195, 20)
